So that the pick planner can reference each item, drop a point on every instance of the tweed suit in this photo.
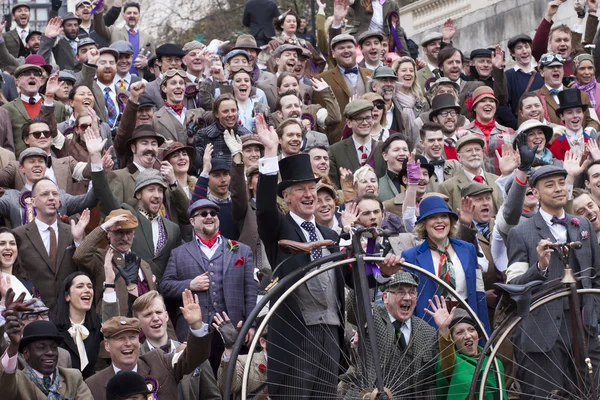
(256, 376)
(343, 154)
(62, 52)
(451, 168)
(409, 373)
(14, 45)
(453, 186)
(499, 135)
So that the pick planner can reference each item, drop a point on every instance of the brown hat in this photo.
(144, 131)
(327, 188)
(246, 42)
(177, 146)
(253, 169)
(252, 139)
(469, 138)
(193, 45)
(483, 92)
(130, 223)
(116, 325)
(429, 194)
(474, 189)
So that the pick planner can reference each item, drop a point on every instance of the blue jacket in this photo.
(421, 256)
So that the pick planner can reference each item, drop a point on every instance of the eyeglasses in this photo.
(39, 134)
(33, 73)
(451, 113)
(34, 316)
(379, 106)
(403, 293)
(205, 214)
(363, 119)
(83, 127)
(550, 58)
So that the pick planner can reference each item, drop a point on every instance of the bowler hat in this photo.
(70, 16)
(144, 131)
(295, 169)
(39, 330)
(177, 146)
(126, 384)
(202, 203)
(130, 223)
(149, 177)
(569, 98)
(545, 171)
(424, 164)
(246, 42)
(434, 205)
(369, 34)
(119, 324)
(512, 42)
(469, 138)
(475, 189)
(169, 49)
(38, 60)
(441, 102)
(403, 277)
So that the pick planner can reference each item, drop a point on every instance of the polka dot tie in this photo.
(312, 235)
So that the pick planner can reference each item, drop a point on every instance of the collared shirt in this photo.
(299, 221)
(555, 97)
(117, 369)
(25, 98)
(472, 177)
(377, 18)
(135, 29)
(180, 118)
(23, 32)
(389, 117)
(372, 67)
(406, 327)
(112, 93)
(194, 79)
(459, 272)
(139, 167)
(173, 347)
(532, 65)
(126, 79)
(352, 78)
(439, 171)
(366, 148)
(558, 231)
(45, 232)
(209, 252)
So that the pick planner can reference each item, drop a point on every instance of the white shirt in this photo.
(367, 148)
(45, 232)
(389, 117)
(117, 80)
(299, 221)
(377, 18)
(155, 230)
(139, 167)
(173, 347)
(459, 272)
(558, 231)
(439, 171)
(25, 98)
(351, 78)
(406, 328)
(209, 252)
(23, 32)
(117, 369)
(555, 97)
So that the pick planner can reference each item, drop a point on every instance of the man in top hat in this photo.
(446, 112)
(430, 45)
(128, 385)
(432, 143)
(168, 56)
(538, 349)
(15, 39)
(384, 83)
(370, 47)
(407, 344)
(470, 155)
(551, 66)
(359, 149)
(304, 335)
(155, 235)
(121, 340)
(571, 114)
(42, 377)
(124, 78)
(347, 80)
(534, 133)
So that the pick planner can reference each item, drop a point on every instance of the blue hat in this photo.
(202, 203)
(434, 205)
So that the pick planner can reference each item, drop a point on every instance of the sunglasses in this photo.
(205, 214)
(36, 74)
(83, 127)
(39, 134)
(379, 106)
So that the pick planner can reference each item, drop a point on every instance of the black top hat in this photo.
(295, 169)
(442, 102)
(570, 98)
(126, 384)
(39, 330)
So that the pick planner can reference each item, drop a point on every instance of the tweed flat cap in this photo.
(130, 223)
(116, 325)
(193, 45)
(344, 37)
(475, 189)
(545, 171)
(430, 37)
(469, 138)
(149, 177)
(357, 106)
(122, 46)
(32, 152)
(369, 34)
(287, 47)
(403, 277)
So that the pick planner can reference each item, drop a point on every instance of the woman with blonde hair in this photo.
(409, 96)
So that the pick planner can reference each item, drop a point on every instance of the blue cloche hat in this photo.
(434, 205)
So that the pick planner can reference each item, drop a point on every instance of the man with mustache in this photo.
(446, 112)
(15, 39)
(384, 82)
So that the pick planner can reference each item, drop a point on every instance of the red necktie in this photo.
(132, 31)
(478, 179)
(363, 157)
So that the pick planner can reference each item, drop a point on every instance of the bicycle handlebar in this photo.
(368, 232)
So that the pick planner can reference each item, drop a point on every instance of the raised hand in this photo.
(552, 9)
(52, 85)
(420, 64)
(391, 264)
(340, 10)
(94, 117)
(498, 57)
(167, 171)
(78, 229)
(93, 56)
(509, 160)
(233, 142)
(109, 272)
(319, 84)
(54, 28)
(466, 211)
(594, 151)
(413, 169)
(267, 135)
(191, 309)
(321, 5)
(93, 142)
(136, 89)
(448, 30)
(107, 161)
(573, 163)
(112, 224)
(526, 154)
(440, 315)
(228, 332)
(207, 159)
(350, 214)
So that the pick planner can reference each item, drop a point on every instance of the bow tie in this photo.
(353, 70)
(437, 163)
(559, 221)
(554, 92)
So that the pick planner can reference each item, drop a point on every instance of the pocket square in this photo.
(239, 262)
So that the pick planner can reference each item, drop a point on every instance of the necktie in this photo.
(132, 31)
(400, 339)
(312, 235)
(166, 348)
(79, 333)
(450, 142)
(446, 271)
(436, 73)
(32, 100)
(162, 237)
(23, 35)
(484, 228)
(559, 221)
(111, 109)
(122, 84)
(478, 178)
(47, 382)
(363, 155)
(554, 92)
(52, 252)
(353, 70)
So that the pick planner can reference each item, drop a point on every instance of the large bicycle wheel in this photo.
(549, 360)
(318, 364)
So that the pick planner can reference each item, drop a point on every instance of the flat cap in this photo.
(20, 4)
(37, 307)
(474, 189)
(383, 72)
(70, 16)
(32, 33)
(193, 45)
(82, 2)
(119, 324)
(111, 51)
(202, 203)
(85, 41)
(123, 47)
(545, 171)
(469, 138)
(369, 34)
(130, 223)
(252, 139)
(169, 49)
(234, 53)
(66, 76)
(487, 53)
(219, 165)
(147, 177)
(512, 42)
(327, 188)
(253, 169)
(287, 47)
(403, 277)
(146, 101)
(357, 106)
(344, 37)
(430, 37)
(27, 67)
(32, 152)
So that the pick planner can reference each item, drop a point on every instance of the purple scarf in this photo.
(590, 88)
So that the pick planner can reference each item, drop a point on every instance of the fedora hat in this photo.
(295, 169)
(39, 330)
(570, 98)
(246, 42)
(442, 102)
(434, 205)
(144, 131)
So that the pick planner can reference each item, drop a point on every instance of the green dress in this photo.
(462, 375)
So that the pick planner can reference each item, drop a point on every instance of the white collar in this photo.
(548, 218)
(299, 220)
(407, 323)
(135, 29)
(111, 86)
(173, 347)
(42, 226)
(367, 145)
(561, 88)
(26, 98)
(117, 369)
(139, 167)
(370, 66)
(532, 65)
(471, 176)
(431, 67)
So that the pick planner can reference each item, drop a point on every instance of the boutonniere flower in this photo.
(232, 245)
(239, 262)
(262, 368)
(585, 235)
(575, 221)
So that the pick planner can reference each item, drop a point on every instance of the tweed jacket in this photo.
(267, 82)
(18, 386)
(256, 376)
(6, 156)
(499, 135)
(62, 52)
(7, 141)
(115, 33)
(171, 129)
(235, 270)
(387, 189)
(453, 186)
(451, 168)
(18, 117)
(550, 107)
(343, 154)
(522, 268)
(336, 81)
(37, 263)
(214, 134)
(14, 45)
(7, 59)
(89, 257)
(143, 245)
(403, 241)
(405, 371)
(472, 235)
(423, 75)
(160, 366)
(122, 185)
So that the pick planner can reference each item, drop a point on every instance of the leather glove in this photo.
(56, 4)
(233, 142)
(527, 155)
(228, 333)
(130, 270)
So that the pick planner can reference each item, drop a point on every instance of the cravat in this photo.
(400, 339)
(79, 333)
(162, 237)
(445, 266)
(47, 382)
(312, 235)
(484, 228)
(478, 178)
(178, 108)
(32, 100)
(554, 92)
(559, 221)
(52, 253)
(353, 70)
(363, 156)
(450, 142)
(111, 109)
(210, 242)
(122, 84)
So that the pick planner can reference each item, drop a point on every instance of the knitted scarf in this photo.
(590, 88)
(52, 390)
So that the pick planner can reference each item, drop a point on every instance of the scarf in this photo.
(210, 242)
(150, 216)
(486, 129)
(50, 389)
(576, 139)
(218, 200)
(446, 271)
(590, 88)
(409, 104)
(546, 158)
(79, 333)
(178, 108)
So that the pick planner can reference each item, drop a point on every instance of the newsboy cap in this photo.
(357, 106)
(130, 223)
(32, 152)
(147, 177)
(202, 203)
(119, 324)
(474, 189)
(545, 171)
